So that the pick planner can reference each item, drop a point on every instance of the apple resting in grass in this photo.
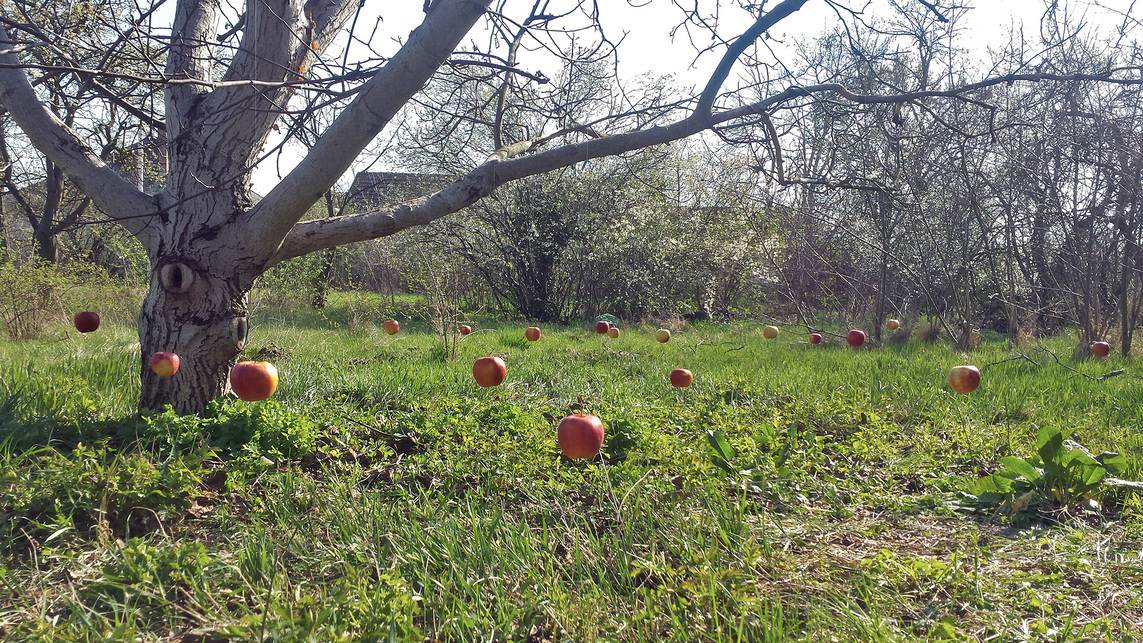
(964, 378)
(770, 332)
(602, 327)
(681, 378)
(613, 332)
(893, 324)
(815, 338)
(489, 371)
(1100, 349)
(164, 364)
(466, 329)
(532, 333)
(253, 381)
(86, 321)
(392, 326)
(855, 338)
(662, 335)
(580, 436)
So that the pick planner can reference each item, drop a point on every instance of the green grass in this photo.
(383, 495)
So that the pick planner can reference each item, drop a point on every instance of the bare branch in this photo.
(119, 199)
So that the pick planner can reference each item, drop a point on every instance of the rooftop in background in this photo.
(379, 189)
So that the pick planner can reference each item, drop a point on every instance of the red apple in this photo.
(855, 338)
(1100, 349)
(466, 329)
(532, 333)
(86, 321)
(254, 381)
(489, 371)
(580, 436)
(681, 378)
(392, 326)
(964, 378)
(602, 327)
(815, 338)
(662, 335)
(164, 364)
(893, 324)
(613, 332)
(770, 332)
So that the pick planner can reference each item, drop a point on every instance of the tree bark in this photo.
(206, 326)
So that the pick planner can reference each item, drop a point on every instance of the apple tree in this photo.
(234, 75)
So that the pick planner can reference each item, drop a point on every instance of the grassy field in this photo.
(792, 493)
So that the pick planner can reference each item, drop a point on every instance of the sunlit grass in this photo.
(435, 508)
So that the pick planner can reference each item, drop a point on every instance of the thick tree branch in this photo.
(428, 47)
(190, 57)
(503, 166)
(760, 26)
(119, 199)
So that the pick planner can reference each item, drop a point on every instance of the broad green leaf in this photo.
(1050, 445)
(1114, 462)
(1092, 475)
(1076, 456)
(1022, 467)
(721, 447)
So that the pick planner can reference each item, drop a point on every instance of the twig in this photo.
(1110, 374)
(1018, 356)
(1066, 367)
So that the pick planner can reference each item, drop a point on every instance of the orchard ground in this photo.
(382, 493)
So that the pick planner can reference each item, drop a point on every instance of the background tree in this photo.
(231, 72)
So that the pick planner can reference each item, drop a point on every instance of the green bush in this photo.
(35, 296)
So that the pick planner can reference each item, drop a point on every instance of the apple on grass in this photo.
(164, 364)
(532, 333)
(465, 329)
(392, 326)
(770, 332)
(662, 335)
(602, 327)
(87, 321)
(254, 381)
(964, 378)
(580, 436)
(855, 338)
(1100, 349)
(613, 332)
(489, 371)
(681, 378)
(815, 338)
(893, 324)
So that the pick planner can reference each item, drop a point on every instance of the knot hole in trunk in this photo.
(176, 277)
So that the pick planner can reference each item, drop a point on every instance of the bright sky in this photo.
(648, 46)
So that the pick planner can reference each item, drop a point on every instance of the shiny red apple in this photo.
(86, 321)
(602, 327)
(489, 371)
(392, 326)
(254, 381)
(1100, 349)
(580, 436)
(815, 338)
(855, 338)
(681, 378)
(532, 333)
(465, 330)
(164, 364)
(964, 378)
